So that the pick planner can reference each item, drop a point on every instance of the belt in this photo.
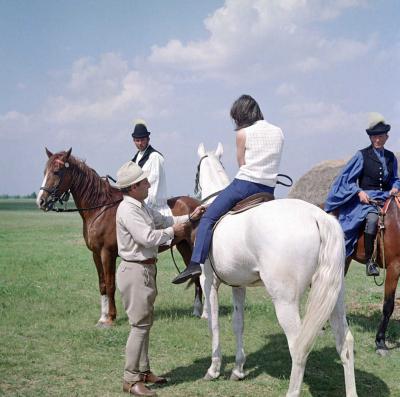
(149, 261)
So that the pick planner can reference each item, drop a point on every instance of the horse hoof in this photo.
(382, 352)
(209, 377)
(104, 325)
(235, 376)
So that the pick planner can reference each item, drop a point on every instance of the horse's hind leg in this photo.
(344, 343)
(391, 281)
(287, 312)
(239, 296)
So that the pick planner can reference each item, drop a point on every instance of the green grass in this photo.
(49, 346)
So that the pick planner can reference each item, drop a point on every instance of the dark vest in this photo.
(372, 177)
(146, 156)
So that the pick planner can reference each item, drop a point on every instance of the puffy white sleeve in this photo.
(158, 189)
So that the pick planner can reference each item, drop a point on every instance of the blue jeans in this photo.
(225, 201)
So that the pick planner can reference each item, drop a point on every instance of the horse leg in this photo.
(186, 253)
(108, 261)
(344, 343)
(388, 307)
(102, 288)
(211, 285)
(287, 312)
(239, 296)
(347, 265)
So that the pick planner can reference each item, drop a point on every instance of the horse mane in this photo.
(92, 187)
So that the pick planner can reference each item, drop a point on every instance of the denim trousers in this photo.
(236, 191)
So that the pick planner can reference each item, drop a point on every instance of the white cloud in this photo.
(105, 90)
(321, 118)
(277, 35)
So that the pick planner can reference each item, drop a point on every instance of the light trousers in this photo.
(137, 284)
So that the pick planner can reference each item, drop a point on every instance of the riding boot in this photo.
(191, 271)
(371, 267)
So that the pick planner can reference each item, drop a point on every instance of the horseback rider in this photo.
(259, 148)
(151, 161)
(371, 174)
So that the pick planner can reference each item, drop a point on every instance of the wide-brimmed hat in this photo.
(140, 130)
(129, 174)
(377, 124)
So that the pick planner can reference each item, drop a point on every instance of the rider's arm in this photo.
(240, 147)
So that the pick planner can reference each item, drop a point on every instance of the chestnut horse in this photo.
(97, 202)
(388, 257)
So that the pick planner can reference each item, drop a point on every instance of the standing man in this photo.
(371, 174)
(152, 161)
(140, 230)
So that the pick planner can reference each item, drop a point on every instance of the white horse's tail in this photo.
(326, 282)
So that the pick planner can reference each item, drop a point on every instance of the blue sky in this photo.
(77, 73)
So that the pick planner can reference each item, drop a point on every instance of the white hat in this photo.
(129, 174)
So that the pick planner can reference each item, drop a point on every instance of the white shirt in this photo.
(140, 229)
(157, 198)
(263, 151)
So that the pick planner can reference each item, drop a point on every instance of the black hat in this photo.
(377, 125)
(140, 131)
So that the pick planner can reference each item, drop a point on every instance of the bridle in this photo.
(54, 194)
(62, 198)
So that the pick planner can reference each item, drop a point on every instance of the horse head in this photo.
(211, 176)
(57, 180)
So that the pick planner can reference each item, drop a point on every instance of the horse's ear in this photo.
(220, 150)
(201, 151)
(68, 153)
(49, 154)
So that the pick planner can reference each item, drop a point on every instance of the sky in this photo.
(77, 73)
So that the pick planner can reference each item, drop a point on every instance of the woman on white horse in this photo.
(259, 148)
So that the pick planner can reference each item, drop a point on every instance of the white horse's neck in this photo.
(213, 177)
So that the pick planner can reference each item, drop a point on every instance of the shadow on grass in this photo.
(177, 312)
(324, 372)
(371, 322)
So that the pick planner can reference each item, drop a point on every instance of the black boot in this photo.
(371, 267)
(191, 271)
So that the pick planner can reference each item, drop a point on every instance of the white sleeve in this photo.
(155, 166)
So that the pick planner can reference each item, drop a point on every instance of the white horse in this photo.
(285, 245)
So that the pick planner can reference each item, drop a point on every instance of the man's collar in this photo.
(132, 200)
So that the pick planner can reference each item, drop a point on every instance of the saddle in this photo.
(250, 202)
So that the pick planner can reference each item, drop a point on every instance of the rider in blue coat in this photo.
(370, 175)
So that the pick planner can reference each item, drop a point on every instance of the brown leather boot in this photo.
(138, 389)
(149, 377)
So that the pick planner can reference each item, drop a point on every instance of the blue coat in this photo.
(343, 195)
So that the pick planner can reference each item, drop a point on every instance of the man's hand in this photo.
(180, 230)
(393, 191)
(364, 198)
(197, 213)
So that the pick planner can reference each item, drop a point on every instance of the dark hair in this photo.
(245, 112)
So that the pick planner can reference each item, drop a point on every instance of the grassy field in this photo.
(49, 346)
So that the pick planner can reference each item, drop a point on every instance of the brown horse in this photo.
(97, 202)
(388, 257)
